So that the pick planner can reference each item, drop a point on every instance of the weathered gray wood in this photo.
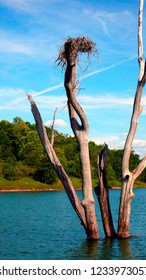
(81, 134)
(57, 165)
(128, 178)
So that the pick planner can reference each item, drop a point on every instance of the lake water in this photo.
(43, 225)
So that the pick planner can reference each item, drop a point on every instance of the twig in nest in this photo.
(72, 47)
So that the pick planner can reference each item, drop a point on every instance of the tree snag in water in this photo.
(68, 57)
(103, 194)
(57, 165)
(128, 178)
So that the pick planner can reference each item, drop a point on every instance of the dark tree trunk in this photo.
(103, 195)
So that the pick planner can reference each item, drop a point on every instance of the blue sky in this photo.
(31, 32)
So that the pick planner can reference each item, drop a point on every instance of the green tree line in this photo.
(22, 155)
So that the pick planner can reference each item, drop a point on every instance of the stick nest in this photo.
(73, 47)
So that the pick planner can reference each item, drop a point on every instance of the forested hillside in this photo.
(22, 155)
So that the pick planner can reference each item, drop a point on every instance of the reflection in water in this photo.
(87, 251)
(106, 249)
(124, 247)
(116, 249)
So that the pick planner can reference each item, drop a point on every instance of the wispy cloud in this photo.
(104, 101)
(88, 101)
(11, 92)
(10, 45)
(109, 21)
(58, 123)
(29, 6)
(21, 5)
(12, 98)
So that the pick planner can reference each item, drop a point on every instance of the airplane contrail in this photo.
(48, 89)
(86, 76)
(107, 68)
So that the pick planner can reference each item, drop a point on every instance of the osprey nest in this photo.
(74, 46)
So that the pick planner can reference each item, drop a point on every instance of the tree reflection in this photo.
(103, 249)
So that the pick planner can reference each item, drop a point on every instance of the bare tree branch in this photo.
(137, 108)
(128, 178)
(140, 41)
(53, 123)
(138, 170)
(57, 165)
(133, 127)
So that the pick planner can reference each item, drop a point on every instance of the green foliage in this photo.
(45, 174)
(22, 155)
(111, 175)
(11, 170)
(30, 149)
(72, 157)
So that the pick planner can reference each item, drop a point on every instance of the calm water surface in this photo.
(43, 225)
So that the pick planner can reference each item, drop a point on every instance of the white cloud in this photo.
(14, 96)
(111, 140)
(13, 99)
(104, 99)
(15, 42)
(29, 6)
(58, 123)
(20, 5)
(11, 46)
(109, 21)
(118, 142)
(139, 143)
(11, 92)
(86, 101)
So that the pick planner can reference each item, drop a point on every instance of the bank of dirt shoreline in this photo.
(52, 189)
(29, 190)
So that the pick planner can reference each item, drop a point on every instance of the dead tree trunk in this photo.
(128, 178)
(86, 209)
(57, 165)
(103, 195)
(71, 49)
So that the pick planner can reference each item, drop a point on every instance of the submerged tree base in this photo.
(126, 236)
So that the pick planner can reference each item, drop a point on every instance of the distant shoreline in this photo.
(30, 190)
(56, 189)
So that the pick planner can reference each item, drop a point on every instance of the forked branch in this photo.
(128, 178)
